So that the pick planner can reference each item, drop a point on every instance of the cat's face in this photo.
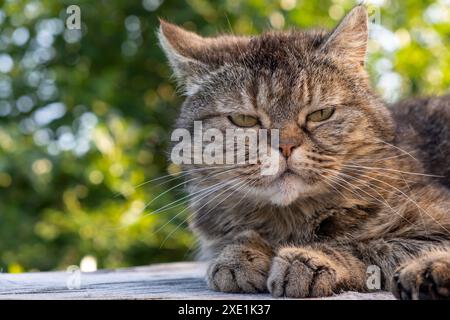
(311, 86)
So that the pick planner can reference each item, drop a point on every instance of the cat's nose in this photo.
(286, 149)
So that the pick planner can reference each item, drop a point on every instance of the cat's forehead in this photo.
(278, 75)
(283, 73)
(275, 50)
(282, 97)
(281, 94)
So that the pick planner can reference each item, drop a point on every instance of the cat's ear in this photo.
(192, 56)
(349, 39)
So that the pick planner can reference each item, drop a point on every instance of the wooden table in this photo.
(184, 280)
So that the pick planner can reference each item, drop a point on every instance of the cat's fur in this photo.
(361, 192)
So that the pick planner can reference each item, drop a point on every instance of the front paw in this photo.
(239, 268)
(300, 272)
(425, 278)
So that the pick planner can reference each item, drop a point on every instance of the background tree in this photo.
(85, 115)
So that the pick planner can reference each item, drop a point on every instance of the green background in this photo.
(86, 116)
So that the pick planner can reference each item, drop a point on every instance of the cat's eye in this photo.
(321, 115)
(242, 120)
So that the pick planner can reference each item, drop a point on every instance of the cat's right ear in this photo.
(192, 56)
(182, 49)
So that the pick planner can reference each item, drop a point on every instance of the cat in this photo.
(361, 183)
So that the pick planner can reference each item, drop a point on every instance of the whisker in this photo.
(214, 187)
(318, 172)
(174, 177)
(393, 170)
(409, 199)
(188, 198)
(360, 170)
(384, 202)
(202, 192)
(204, 195)
(398, 148)
(242, 183)
(382, 159)
(421, 217)
(239, 187)
(245, 195)
(182, 183)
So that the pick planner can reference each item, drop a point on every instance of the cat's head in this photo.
(311, 85)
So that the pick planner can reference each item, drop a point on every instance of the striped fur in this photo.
(363, 191)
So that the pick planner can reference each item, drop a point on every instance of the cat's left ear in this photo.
(349, 39)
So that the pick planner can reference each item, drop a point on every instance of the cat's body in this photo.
(358, 187)
(423, 124)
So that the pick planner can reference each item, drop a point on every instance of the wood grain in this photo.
(183, 280)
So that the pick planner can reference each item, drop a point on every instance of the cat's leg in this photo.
(242, 266)
(410, 242)
(315, 271)
(411, 269)
(424, 277)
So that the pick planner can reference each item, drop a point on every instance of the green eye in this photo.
(242, 120)
(321, 115)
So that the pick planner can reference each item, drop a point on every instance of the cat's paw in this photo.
(239, 268)
(425, 278)
(300, 273)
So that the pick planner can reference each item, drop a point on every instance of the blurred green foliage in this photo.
(85, 116)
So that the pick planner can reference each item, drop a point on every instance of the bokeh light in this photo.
(85, 115)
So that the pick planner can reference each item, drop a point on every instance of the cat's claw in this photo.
(300, 273)
(239, 268)
(426, 278)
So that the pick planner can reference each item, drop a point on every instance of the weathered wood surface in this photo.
(184, 280)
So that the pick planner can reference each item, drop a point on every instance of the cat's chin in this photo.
(285, 190)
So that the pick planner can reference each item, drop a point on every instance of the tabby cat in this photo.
(360, 183)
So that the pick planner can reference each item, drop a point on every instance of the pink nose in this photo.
(287, 148)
